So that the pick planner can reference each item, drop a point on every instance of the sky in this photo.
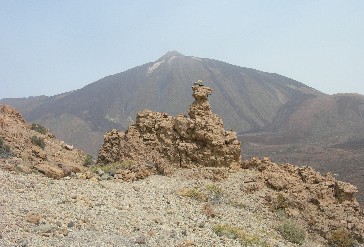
(50, 47)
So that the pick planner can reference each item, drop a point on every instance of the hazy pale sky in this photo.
(49, 47)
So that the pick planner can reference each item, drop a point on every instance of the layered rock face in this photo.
(55, 159)
(198, 139)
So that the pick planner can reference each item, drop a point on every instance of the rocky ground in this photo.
(182, 210)
(166, 181)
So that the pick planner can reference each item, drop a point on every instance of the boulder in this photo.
(49, 170)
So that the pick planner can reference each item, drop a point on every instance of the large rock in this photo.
(198, 139)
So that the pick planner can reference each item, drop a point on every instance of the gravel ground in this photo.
(155, 211)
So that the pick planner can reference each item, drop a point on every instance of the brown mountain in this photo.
(274, 115)
(247, 99)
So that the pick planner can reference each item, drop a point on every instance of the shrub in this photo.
(281, 201)
(112, 167)
(292, 232)
(215, 193)
(88, 160)
(38, 141)
(4, 149)
(194, 193)
(39, 128)
(237, 233)
(341, 238)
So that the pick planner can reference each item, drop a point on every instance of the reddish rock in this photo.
(39, 153)
(181, 141)
(33, 218)
(50, 171)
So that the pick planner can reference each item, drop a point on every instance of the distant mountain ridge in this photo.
(266, 109)
(247, 99)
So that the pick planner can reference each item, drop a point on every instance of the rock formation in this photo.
(32, 150)
(198, 139)
(327, 205)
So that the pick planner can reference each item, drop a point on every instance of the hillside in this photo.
(32, 148)
(168, 181)
(273, 115)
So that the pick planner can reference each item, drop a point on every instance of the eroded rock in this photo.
(198, 139)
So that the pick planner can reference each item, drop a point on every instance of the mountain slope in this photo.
(247, 99)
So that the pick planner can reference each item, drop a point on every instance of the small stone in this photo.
(104, 176)
(130, 176)
(173, 234)
(99, 172)
(136, 188)
(63, 231)
(46, 228)
(71, 224)
(33, 218)
(158, 221)
(140, 240)
(24, 243)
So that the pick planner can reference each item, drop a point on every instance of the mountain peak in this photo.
(170, 54)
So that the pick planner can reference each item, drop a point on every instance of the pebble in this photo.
(45, 228)
(71, 224)
(140, 240)
(33, 218)
(24, 243)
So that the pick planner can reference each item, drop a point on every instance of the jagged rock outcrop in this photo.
(197, 140)
(31, 150)
(325, 203)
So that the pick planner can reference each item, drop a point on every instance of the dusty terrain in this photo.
(149, 212)
(144, 191)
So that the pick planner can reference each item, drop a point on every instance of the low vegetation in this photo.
(39, 128)
(194, 193)
(38, 141)
(236, 204)
(88, 160)
(4, 149)
(214, 192)
(210, 192)
(112, 167)
(292, 232)
(238, 233)
(341, 238)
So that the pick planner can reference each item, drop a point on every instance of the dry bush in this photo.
(292, 232)
(238, 233)
(194, 193)
(38, 141)
(341, 238)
